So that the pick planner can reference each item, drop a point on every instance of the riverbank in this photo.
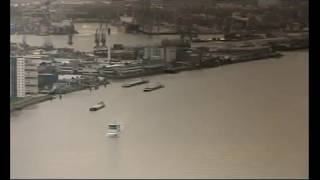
(21, 103)
(27, 101)
(18, 105)
(212, 60)
(177, 33)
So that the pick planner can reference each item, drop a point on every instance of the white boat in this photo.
(98, 106)
(113, 130)
(152, 87)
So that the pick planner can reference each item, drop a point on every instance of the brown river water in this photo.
(247, 120)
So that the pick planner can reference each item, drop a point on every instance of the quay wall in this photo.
(28, 101)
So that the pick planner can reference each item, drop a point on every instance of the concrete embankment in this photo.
(18, 105)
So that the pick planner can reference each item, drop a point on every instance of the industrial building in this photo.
(47, 80)
(153, 53)
(166, 52)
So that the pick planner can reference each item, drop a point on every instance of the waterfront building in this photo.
(20, 77)
(89, 71)
(61, 84)
(170, 54)
(153, 53)
(155, 67)
(188, 55)
(68, 76)
(66, 69)
(130, 70)
(31, 78)
(171, 47)
(23, 77)
(166, 52)
(13, 77)
(108, 71)
(47, 80)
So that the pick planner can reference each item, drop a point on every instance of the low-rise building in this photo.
(87, 71)
(188, 55)
(130, 70)
(66, 69)
(154, 53)
(47, 80)
(167, 54)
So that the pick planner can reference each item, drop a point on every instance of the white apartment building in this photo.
(26, 77)
(21, 83)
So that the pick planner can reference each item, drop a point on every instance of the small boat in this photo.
(98, 106)
(153, 87)
(135, 83)
(113, 130)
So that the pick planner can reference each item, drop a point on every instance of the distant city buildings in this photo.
(156, 4)
(268, 3)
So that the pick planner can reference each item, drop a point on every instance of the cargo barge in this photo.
(153, 87)
(135, 83)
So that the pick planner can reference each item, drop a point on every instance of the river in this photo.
(84, 41)
(247, 120)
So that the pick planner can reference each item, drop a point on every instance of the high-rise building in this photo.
(21, 83)
(13, 77)
(23, 77)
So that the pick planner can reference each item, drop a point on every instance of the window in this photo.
(156, 52)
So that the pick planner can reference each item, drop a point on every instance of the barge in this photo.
(135, 83)
(153, 87)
